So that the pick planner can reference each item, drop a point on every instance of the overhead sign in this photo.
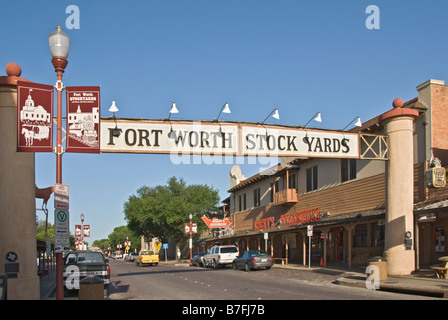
(216, 223)
(83, 119)
(214, 138)
(34, 117)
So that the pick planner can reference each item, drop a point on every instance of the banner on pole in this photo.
(34, 117)
(83, 119)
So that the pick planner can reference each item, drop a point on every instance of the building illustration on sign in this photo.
(82, 126)
(35, 121)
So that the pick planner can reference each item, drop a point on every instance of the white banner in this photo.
(213, 138)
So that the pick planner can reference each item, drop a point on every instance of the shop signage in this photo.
(212, 138)
(216, 223)
(34, 117)
(264, 224)
(83, 119)
(289, 219)
(300, 217)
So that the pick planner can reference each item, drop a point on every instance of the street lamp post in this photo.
(191, 241)
(82, 231)
(59, 44)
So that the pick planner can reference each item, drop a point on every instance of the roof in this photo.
(258, 177)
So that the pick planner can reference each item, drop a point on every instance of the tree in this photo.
(161, 211)
(119, 235)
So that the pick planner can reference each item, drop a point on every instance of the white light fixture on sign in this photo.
(317, 117)
(358, 123)
(274, 114)
(225, 108)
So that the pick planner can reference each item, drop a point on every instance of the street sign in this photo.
(61, 222)
(309, 231)
(216, 223)
(157, 246)
(61, 199)
(61, 244)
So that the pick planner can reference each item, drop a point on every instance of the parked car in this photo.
(86, 263)
(197, 259)
(147, 257)
(220, 256)
(253, 259)
(132, 256)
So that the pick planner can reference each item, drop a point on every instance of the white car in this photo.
(220, 256)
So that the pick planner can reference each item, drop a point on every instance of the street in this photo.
(170, 281)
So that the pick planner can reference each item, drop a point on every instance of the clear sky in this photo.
(298, 56)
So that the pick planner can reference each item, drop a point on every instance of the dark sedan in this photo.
(197, 260)
(253, 259)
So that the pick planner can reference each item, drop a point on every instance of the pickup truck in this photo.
(147, 257)
(220, 256)
(79, 264)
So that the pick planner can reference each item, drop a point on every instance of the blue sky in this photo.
(298, 56)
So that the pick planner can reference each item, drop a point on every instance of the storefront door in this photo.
(339, 245)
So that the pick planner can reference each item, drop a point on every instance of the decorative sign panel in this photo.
(34, 117)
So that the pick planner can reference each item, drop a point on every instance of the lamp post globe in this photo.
(59, 43)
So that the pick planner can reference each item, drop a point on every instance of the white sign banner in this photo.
(213, 138)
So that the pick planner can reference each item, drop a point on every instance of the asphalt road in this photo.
(180, 282)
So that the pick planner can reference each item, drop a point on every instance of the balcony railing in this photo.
(285, 196)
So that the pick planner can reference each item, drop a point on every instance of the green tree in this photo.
(161, 211)
(119, 235)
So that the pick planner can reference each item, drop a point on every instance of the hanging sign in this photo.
(83, 119)
(86, 230)
(34, 117)
(216, 223)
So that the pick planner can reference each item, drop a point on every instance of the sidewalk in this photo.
(423, 282)
(48, 286)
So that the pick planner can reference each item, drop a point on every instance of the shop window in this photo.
(257, 197)
(377, 235)
(311, 179)
(360, 236)
(348, 169)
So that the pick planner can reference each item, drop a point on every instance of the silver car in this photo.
(253, 259)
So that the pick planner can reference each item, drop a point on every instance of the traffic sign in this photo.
(157, 246)
(61, 222)
(61, 199)
(309, 231)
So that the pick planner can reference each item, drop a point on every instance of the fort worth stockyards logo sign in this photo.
(34, 117)
(83, 119)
